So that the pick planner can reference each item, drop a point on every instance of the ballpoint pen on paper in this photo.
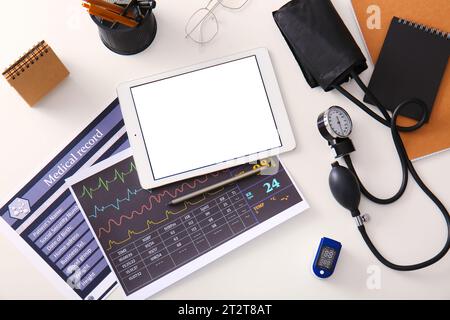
(217, 185)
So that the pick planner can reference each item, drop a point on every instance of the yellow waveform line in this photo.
(103, 183)
(150, 223)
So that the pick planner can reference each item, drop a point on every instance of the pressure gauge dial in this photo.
(335, 123)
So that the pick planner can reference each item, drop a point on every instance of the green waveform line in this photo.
(104, 184)
(116, 204)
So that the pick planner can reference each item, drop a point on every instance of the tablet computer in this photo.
(205, 118)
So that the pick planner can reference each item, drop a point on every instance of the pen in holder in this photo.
(128, 40)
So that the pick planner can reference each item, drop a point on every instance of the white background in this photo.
(277, 264)
(205, 117)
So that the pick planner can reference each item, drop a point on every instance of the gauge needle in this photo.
(340, 125)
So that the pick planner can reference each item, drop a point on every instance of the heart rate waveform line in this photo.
(151, 200)
(116, 204)
(151, 223)
(104, 183)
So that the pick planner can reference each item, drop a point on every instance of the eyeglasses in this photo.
(202, 27)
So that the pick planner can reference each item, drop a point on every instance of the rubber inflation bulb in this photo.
(345, 188)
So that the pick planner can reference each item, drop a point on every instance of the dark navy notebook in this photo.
(411, 65)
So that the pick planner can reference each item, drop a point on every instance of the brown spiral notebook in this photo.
(435, 135)
(36, 73)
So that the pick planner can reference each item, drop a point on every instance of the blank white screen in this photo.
(205, 117)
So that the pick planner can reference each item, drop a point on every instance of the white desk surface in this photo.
(277, 264)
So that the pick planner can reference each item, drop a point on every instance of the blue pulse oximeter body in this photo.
(326, 258)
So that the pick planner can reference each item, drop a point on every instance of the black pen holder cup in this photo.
(125, 40)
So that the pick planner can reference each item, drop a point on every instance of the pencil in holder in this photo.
(128, 40)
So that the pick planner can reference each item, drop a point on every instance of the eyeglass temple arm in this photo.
(210, 11)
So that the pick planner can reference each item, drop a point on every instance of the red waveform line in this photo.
(156, 198)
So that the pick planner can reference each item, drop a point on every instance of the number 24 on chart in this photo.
(271, 186)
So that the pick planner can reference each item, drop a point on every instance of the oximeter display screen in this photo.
(326, 259)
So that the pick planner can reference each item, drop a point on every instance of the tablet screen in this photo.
(205, 117)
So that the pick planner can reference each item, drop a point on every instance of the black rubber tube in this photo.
(407, 166)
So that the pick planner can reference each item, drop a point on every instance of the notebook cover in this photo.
(411, 65)
(38, 76)
(434, 136)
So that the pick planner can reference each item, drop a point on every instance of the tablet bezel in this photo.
(137, 141)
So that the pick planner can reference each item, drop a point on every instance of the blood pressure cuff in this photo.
(320, 41)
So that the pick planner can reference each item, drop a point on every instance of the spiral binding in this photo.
(26, 61)
(437, 32)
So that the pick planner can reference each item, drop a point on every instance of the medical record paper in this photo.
(43, 219)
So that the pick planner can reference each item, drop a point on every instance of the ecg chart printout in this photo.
(150, 245)
(44, 222)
